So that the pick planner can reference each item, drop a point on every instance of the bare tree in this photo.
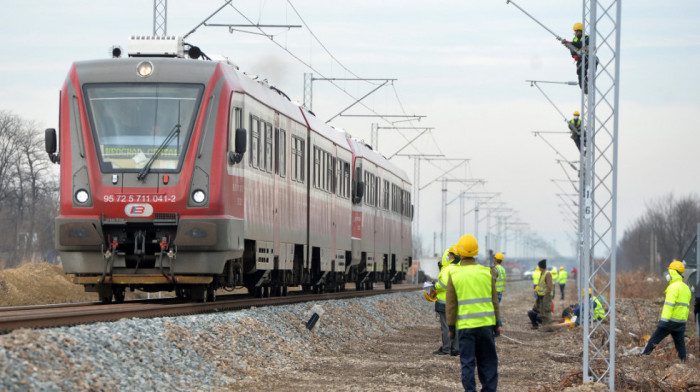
(28, 191)
(673, 224)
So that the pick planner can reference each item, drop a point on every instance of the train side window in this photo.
(346, 178)
(235, 123)
(254, 141)
(282, 153)
(329, 173)
(268, 147)
(317, 167)
(299, 154)
(385, 195)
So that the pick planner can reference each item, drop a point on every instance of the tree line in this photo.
(28, 193)
(663, 233)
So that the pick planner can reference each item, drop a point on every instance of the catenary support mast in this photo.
(598, 203)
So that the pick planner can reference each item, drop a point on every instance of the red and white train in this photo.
(184, 174)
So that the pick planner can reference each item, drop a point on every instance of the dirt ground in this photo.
(530, 360)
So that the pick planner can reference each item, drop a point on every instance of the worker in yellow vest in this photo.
(450, 346)
(674, 313)
(544, 290)
(563, 275)
(472, 311)
(499, 274)
(555, 280)
(536, 279)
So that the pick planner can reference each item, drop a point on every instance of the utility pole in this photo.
(416, 195)
(445, 180)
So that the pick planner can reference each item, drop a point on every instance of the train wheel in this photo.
(278, 291)
(106, 298)
(284, 291)
(387, 285)
(211, 294)
(266, 292)
(119, 294)
(199, 294)
(258, 292)
(358, 286)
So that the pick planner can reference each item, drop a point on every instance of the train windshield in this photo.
(140, 127)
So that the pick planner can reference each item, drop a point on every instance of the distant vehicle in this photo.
(528, 273)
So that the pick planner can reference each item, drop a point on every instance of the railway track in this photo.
(45, 316)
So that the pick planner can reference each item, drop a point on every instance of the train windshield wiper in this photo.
(147, 167)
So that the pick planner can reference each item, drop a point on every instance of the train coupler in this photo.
(109, 258)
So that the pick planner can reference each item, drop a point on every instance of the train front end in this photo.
(141, 203)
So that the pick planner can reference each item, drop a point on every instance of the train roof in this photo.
(181, 70)
(361, 150)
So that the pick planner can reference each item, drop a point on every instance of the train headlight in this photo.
(199, 196)
(144, 69)
(82, 196)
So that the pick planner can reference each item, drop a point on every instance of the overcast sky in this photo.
(462, 64)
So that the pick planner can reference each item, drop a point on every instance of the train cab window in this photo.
(268, 147)
(135, 125)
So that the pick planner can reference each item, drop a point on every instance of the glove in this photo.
(495, 331)
(452, 332)
(564, 41)
(576, 57)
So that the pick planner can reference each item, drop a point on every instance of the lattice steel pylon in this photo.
(160, 18)
(598, 185)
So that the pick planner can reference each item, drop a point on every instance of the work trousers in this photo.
(535, 318)
(477, 349)
(663, 329)
(499, 323)
(561, 288)
(544, 302)
(448, 345)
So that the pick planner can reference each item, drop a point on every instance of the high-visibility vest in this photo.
(555, 278)
(500, 279)
(599, 311)
(536, 276)
(441, 284)
(677, 304)
(472, 285)
(542, 284)
(562, 276)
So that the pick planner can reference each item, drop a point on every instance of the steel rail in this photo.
(73, 314)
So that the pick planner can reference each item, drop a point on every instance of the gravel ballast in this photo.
(221, 351)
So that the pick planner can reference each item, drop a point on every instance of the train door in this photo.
(333, 160)
(276, 188)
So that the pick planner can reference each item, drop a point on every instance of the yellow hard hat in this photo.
(590, 292)
(561, 268)
(467, 246)
(578, 26)
(498, 256)
(453, 250)
(677, 265)
(576, 113)
(432, 297)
